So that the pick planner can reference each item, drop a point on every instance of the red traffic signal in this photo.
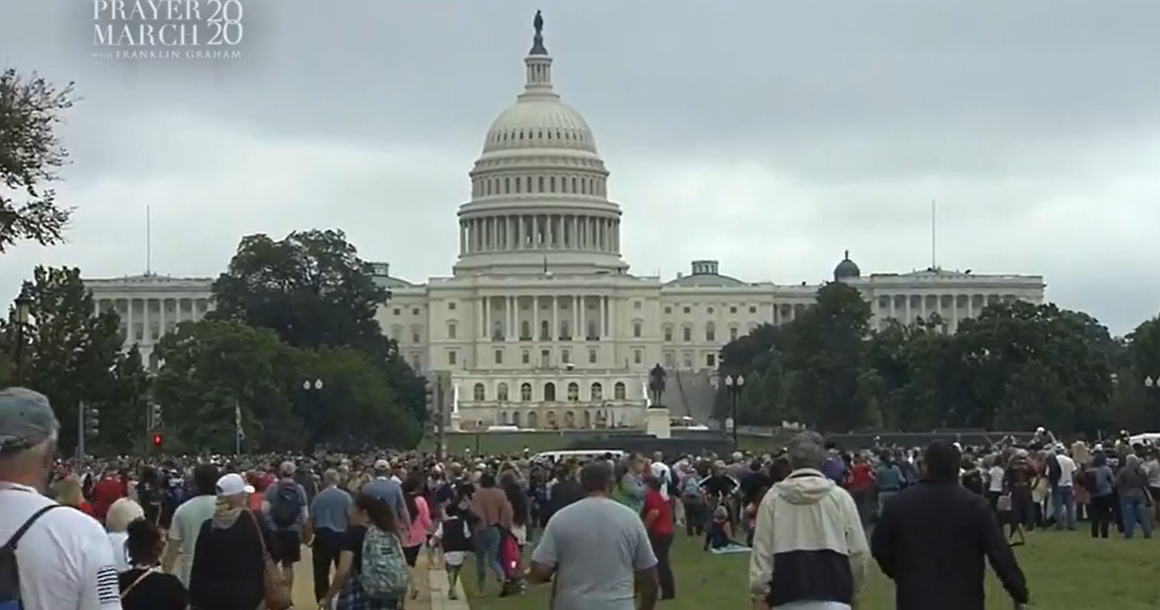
(156, 440)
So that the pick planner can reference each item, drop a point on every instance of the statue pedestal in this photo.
(657, 422)
(456, 424)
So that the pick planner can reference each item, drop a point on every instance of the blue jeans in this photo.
(487, 554)
(1134, 510)
(1063, 506)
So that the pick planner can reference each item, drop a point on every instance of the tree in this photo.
(313, 290)
(1139, 405)
(1012, 346)
(73, 355)
(212, 367)
(826, 348)
(30, 156)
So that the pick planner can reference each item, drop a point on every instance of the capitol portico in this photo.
(541, 324)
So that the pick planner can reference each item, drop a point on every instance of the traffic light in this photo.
(92, 421)
(157, 441)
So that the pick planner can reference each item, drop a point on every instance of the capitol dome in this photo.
(539, 199)
(539, 124)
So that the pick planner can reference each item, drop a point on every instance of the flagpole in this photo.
(237, 428)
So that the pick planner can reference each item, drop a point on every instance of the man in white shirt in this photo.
(188, 519)
(63, 555)
(1062, 489)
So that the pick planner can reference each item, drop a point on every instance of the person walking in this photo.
(63, 555)
(329, 518)
(596, 567)
(934, 539)
(658, 520)
(809, 548)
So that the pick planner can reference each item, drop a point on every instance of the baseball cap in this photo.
(382, 465)
(233, 484)
(26, 420)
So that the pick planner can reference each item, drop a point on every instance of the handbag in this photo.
(275, 592)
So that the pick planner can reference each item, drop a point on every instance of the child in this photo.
(453, 535)
(720, 532)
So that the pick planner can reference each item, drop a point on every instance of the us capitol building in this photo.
(541, 325)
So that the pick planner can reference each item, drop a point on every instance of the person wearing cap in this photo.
(64, 555)
(385, 487)
(228, 568)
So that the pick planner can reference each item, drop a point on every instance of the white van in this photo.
(556, 457)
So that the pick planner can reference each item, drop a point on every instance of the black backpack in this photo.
(9, 571)
(286, 507)
(1054, 471)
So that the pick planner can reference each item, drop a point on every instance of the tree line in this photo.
(1015, 366)
(292, 346)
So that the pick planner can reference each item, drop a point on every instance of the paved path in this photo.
(432, 587)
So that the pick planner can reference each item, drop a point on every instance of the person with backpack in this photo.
(50, 558)
(372, 571)
(286, 505)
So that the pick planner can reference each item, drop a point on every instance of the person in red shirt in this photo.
(860, 484)
(109, 489)
(658, 520)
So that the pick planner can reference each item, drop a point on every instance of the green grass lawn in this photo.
(1065, 571)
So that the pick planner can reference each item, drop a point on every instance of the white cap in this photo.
(382, 465)
(233, 484)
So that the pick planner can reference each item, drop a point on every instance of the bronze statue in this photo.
(538, 23)
(656, 384)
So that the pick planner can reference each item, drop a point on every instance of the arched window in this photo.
(592, 330)
(573, 392)
(710, 332)
(526, 330)
(479, 393)
(637, 328)
(497, 331)
(597, 391)
(545, 330)
(565, 335)
(516, 418)
(618, 390)
(525, 392)
(549, 392)
(501, 392)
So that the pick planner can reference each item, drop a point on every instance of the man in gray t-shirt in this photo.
(596, 548)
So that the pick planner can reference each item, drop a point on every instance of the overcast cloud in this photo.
(768, 135)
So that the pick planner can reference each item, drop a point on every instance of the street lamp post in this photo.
(733, 386)
(308, 388)
(23, 310)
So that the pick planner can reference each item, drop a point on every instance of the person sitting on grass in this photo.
(720, 532)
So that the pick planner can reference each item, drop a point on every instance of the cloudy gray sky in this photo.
(768, 135)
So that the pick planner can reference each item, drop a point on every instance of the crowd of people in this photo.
(226, 532)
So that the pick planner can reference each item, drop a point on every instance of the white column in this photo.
(161, 313)
(535, 319)
(893, 314)
(555, 318)
(487, 317)
(147, 327)
(603, 317)
(481, 318)
(129, 320)
(954, 325)
(511, 316)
